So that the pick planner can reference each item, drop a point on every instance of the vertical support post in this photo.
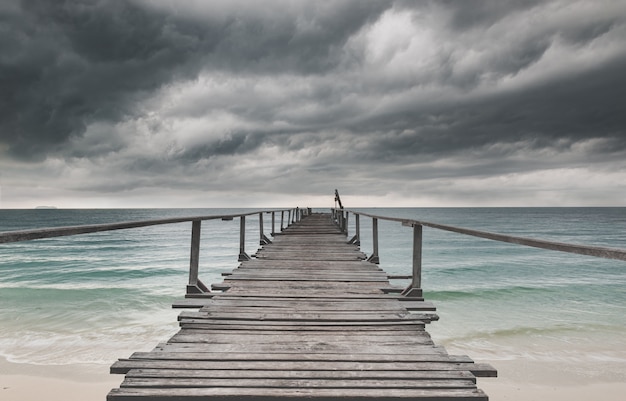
(282, 217)
(288, 218)
(345, 224)
(357, 227)
(261, 229)
(195, 286)
(263, 240)
(273, 223)
(356, 240)
(415, 288)
(374, 258)
(242, 240)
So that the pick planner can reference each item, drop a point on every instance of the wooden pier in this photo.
(306, 318)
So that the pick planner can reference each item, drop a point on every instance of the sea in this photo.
(91, 299)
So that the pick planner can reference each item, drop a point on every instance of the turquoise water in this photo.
(98, 297)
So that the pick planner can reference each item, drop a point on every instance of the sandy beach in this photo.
(528, 381)
(20, 382)
(26, 382)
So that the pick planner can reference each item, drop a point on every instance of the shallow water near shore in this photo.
(91, 299)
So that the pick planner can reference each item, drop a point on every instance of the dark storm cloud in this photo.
(67, 64)
(584, 106)
(371, 95)
(577, 105)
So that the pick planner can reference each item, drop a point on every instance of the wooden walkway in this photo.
(307, 318)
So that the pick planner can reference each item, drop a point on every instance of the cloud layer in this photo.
(192, 103)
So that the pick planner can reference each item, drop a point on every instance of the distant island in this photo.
(46, 207)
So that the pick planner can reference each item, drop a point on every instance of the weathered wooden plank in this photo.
(318, 346)
(260, 394)
(329, 340)
(209, 326)
(310, 304)
(283, 283)
(327, 247)
(312, 253)
(295, 289)
(190, 303)
(298, 383)
(296, 295)
(293, 255)
(349, 279)
(124, 365)
(298, 270)
(277, 308)
(201, 355)
(303, 374)
(241, 272)
(207, 348)
(310, 316)
(327, 265)
(302, 325)
(328, 307)
(320, 328)
(335, 336)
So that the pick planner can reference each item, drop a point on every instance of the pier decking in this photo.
(307, 318)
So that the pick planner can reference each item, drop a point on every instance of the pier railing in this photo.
(341, 217)
(195, 286)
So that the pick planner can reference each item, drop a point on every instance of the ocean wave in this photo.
(102, 346)
(548, 343)
(484, 293)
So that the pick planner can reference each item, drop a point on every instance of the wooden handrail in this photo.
(40, 233)
(414, 289)
(597, 251)
(195, 285)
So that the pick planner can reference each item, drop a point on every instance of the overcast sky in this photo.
(277, 103)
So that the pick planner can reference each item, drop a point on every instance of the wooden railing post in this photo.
(195, 286)
(415, 288)
(345, 224)
(242, 239)
(282, 218)
(288, 218)
(263, 240)
(374, 258)
(356, 240)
